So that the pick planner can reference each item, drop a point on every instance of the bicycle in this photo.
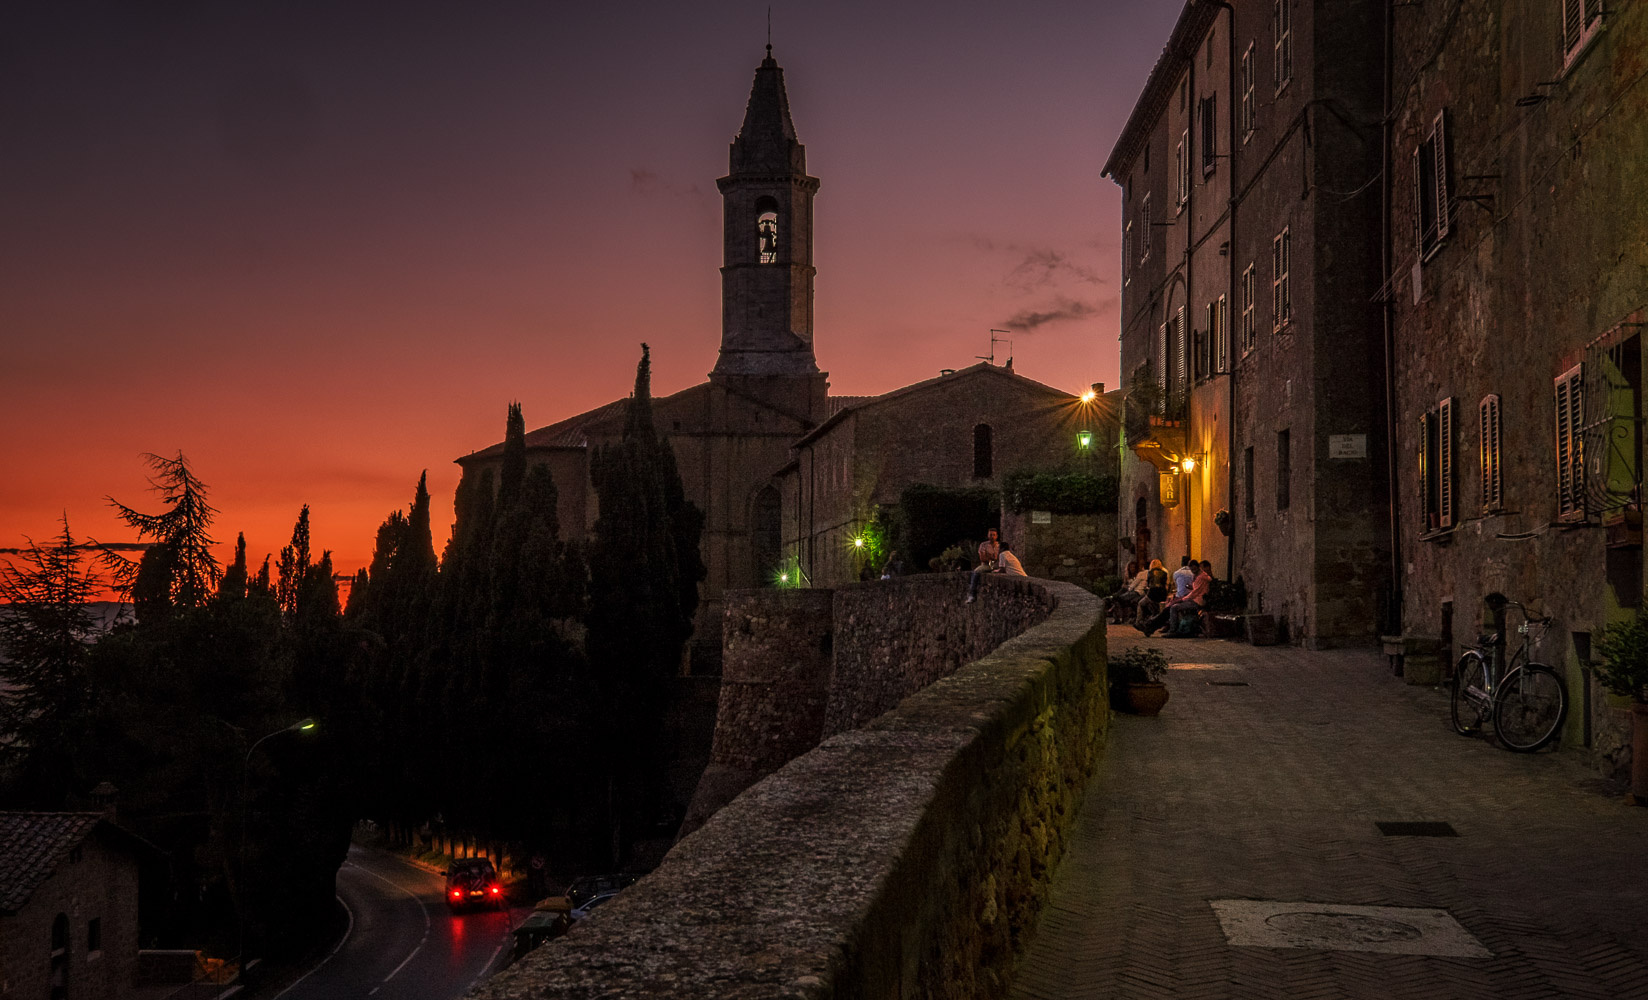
(1527, 704)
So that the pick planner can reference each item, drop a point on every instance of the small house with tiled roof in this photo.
(68, 906)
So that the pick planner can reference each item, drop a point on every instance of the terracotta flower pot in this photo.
(1146, 698)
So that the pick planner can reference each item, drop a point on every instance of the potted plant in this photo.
(1136, 677)
(1624, 672)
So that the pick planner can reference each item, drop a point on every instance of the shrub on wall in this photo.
(933, 518)
(1060, 492)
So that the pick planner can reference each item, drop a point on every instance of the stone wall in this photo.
(906, 858)
(1075, 548)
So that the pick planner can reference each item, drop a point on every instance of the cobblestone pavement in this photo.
(1271, 791)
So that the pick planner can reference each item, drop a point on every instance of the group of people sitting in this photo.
(1152, 599)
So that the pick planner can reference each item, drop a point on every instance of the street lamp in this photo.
(300, 726)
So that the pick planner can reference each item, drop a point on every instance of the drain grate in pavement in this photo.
(1405, 829)
(1227, 684)
(1394, 930)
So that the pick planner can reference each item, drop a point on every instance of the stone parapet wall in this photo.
(905, 858)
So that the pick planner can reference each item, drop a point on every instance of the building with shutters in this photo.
(1517, 291)
(1252, 352)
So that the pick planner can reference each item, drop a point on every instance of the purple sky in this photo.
(318, 247)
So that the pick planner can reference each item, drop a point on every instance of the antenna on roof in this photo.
(769, 31)
(994, 340)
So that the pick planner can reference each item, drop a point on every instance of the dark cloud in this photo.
(647, 182)
(1036, 267)
(1062, 310)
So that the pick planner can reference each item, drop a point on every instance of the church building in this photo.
(736, 435)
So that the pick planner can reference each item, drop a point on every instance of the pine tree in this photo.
(191, 571)
(46, 631)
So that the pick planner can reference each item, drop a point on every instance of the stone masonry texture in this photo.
(1270, 791)
(907, 858)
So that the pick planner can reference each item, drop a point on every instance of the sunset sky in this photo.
(318, 247)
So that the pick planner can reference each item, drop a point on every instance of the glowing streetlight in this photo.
(1089, 396)
(1188, 465)
(1084, 439)
(858, 543)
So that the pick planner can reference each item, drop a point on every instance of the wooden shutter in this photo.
(1570, 448)
(1573, 23)
(1208, 147)
(1444, 462)
(1439, 152)
(1181, 376)
(1490, 453)
(1418, 200)
(1425, 502)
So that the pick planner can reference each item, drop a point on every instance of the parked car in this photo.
(584, 889)
(580, 912)
(473, 882)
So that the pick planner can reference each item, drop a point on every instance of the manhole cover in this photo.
(1345, 928)
(1422, 829)
(1397, 930)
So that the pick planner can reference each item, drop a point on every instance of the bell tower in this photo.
(767, 257)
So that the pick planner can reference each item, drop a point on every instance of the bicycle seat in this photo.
(1488, 639)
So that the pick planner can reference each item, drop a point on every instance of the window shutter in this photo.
(1570, 449)
(1424, 505)
(1491, 479)
(1444, 462)
(1276, 282)
(1180, 373)
(1161, 353)
(1418, 200)
(1208, 149)
(1573, 22)
(1439, 149)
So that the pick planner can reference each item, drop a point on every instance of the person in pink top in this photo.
(1190, 604)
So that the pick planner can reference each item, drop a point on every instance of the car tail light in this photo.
(495, 890)
(457, 893)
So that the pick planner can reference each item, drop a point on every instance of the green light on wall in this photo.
(1084, 439)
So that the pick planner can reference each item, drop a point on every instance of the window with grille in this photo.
(1284, 470)
(1250, 117)
(1250, 334)
(1432, 187)
(1570, 445)
(1248, 482)
(1580, 20)
(1282, 30)
(1436, 451)
(1492, 479)
(1281, 306)
(1181, 159)
(1207, 112)
(1146, 232)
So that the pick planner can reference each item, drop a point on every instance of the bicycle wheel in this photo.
(1529, 707)
(1470, 696)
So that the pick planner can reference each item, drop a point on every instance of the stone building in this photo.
(68, 906)
(964, 428)
(1251, 350)
(734, 433)
(1518, 286)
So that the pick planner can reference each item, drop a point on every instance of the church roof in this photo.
(767, 142)
(573, 432)
(983, 369)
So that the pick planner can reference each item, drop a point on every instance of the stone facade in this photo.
(908, 858)
(87, 896)
(1075, 548)
(967, 428)
(1249, 170)
(799, 666)
(1529, 282)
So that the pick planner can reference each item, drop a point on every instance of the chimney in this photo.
(1098, 388)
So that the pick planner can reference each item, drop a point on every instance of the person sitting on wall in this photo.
(1189, 605)
(1006, 562)
(1124, 603)
(988, 551)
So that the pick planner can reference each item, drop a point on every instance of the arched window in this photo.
(984, 463)
(766, 231)
(766, 541)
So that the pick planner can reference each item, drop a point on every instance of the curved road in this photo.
(402, 942)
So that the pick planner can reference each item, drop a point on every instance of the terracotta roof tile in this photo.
(32, 845)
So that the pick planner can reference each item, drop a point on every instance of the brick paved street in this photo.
(1272, 791)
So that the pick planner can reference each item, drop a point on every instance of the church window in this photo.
(983, 452)
(766, 231)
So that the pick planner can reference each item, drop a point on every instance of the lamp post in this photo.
(300, 726)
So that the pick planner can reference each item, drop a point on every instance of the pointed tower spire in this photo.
(767, 265)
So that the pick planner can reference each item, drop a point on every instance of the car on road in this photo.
(580, 912)
(472, 882)
(583, 890)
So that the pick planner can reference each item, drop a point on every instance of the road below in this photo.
(402, 942)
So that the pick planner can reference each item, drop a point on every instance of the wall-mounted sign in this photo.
(1168, 484)
(1041, 517)
(1347, 446)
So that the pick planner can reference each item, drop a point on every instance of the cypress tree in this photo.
(294, 566)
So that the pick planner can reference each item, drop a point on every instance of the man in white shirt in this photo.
(1183, 578)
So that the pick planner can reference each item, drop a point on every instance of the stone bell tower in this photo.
(767, 260)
